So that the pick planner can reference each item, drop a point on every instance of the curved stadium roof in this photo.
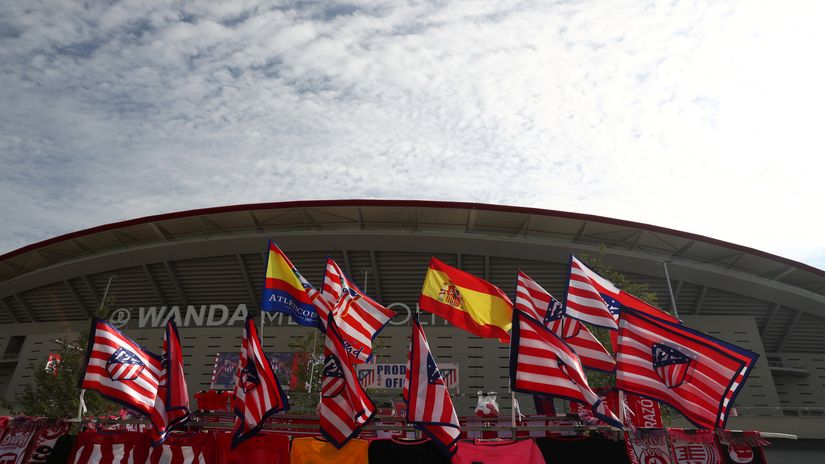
(216, 254)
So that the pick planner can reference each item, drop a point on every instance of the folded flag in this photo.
(537, 303)
(120, 369)
(286, 290)
(358, 317)
(429, 407)
(345, 406)
(258, 394)
(466, 301)
(172, 401)
(542, 363)
(694, 373)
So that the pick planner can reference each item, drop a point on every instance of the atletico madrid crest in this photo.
(670, 364)
(333, 383)
(434, 376)
(249, 377)
(124, 365)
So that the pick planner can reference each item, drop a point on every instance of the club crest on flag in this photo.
(366, 376)
(450, 295)
(613, 304)
(249, 377)
(433, 374)
(124, 365)
(555, 311)
(670, 364)
(563, 369)
(334, 380)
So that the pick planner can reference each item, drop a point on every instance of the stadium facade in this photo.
(207, 266)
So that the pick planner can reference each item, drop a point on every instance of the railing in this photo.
(792, 411)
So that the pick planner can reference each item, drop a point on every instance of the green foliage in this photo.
(55, 394)
(305, 396)
(308, 349)
(642, 290)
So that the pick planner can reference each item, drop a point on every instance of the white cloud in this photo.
(701, 117)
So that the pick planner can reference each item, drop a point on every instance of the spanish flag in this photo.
(286, 290)
(466, 301)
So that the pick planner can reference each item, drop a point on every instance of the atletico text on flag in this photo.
(541, 363)
(429, 406)
(120, 369)
(286, 290)
(358, 317)
(258, 394)
(537, 303)
(172, 401)
(694, 373)
(466, 301)
(345, 406)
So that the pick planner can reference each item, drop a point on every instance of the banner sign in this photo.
(391, 376)
(284, 364)
(647, 446)
(16, 441)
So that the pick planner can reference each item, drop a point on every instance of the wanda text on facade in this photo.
(221, 315)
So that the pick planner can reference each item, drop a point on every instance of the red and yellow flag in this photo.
(466, 301)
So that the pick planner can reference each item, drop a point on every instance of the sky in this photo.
(705, 117)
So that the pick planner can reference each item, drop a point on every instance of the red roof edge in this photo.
(408, 203)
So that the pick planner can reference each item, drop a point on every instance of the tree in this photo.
(55, 393)
(309, 352)
(598, 379)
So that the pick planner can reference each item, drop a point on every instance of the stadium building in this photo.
(207, 267)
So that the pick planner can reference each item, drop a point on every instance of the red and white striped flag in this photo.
(590, 297)
(429, 406)
(110, 448)
(542, 363)
(695, 373)
(172, 401)
(120, 369)
(258, 394)
(537, 303)
(359, 318)
(345, 406)
(186, 448)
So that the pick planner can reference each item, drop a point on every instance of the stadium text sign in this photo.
(221, 315)
(391, 376)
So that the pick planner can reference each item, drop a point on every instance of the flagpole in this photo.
(312, 361)
(670, 291)
(261, 332)
(81, 405)
(510, 362)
